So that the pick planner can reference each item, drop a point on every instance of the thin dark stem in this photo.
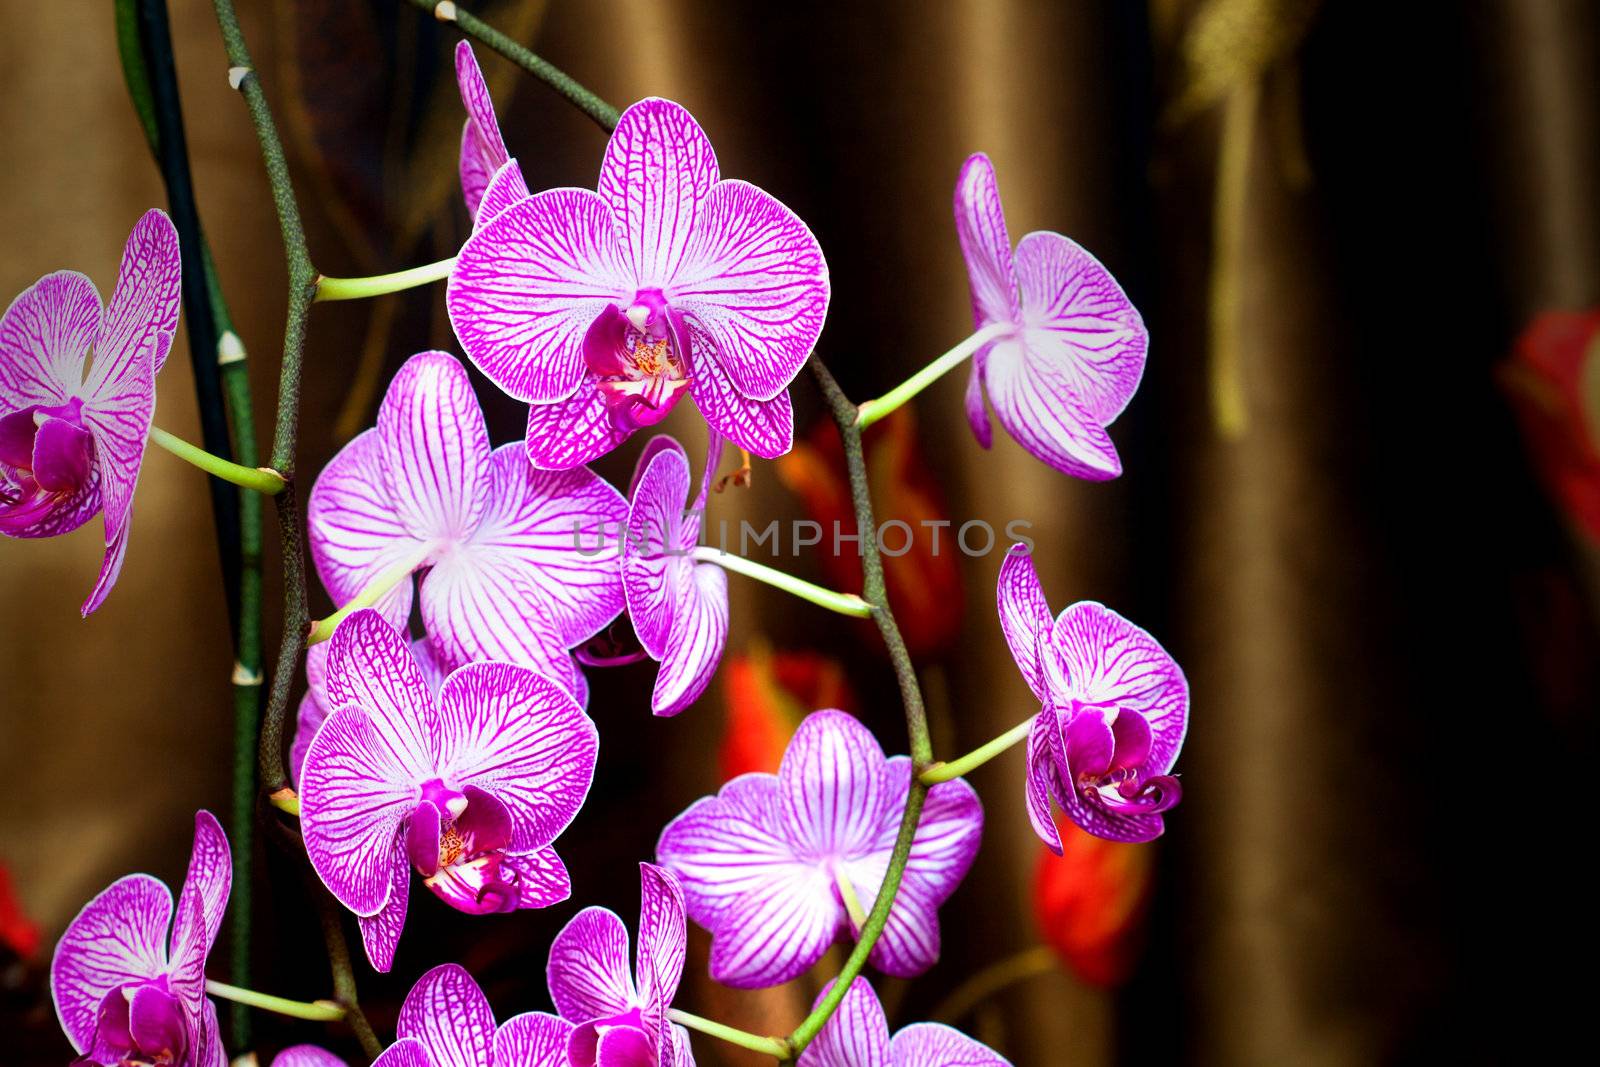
(172, 154)
(302, 288)
(330, 917)
(223, 383)
(604, 115)
(344, 983)
(875, 593)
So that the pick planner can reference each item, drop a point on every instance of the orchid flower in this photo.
(124, 990)
(778, 866)
(857, 1035)
(313, 710)
(446, 1021)
(1067, 347)
(602, 310)
(470, 789)
(677, 603)
(506, 575)
(307, 1056)
(1115, 710)
(619, 1012)
(72, 431)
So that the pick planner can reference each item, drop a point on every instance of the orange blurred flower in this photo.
(18, 933)
(1090, 903)
(1553, 378)
(767, 694)
(921, 560)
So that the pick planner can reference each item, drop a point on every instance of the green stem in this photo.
(273, 774)
(370, 594)
(943, 772)
(316, 1010)
(382, 284)
(772, 1046)
(258, 479)
(874, 591)
(604, 115)
(873, 410)
(843, 603)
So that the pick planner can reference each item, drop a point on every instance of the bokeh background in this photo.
(1346, 225)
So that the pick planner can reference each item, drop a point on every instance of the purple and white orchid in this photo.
(307, 1056)
(71, 443)
(603, 309)
(128, 993)
(677, 603)
(470, 789)
(446, 1021)
(858, 1036)
(1116, 707)
(618, 1010)
(1072, 346)
(779, 866)
(506, 575)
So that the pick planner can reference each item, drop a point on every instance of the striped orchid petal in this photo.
(589, 973)
(581, 303)
(857, 1034)
(935, 1045)
(531, 1039)
(835, 793)
(45, 339)
(527, 286)
(306, 1056)
(1024, 615)
(448, 1015)
(518, 736)
(356, 530)
(658, 170)
(699, 635)
(557, 528)
(756, 280)
(435, 447)
(119, 937)
(128, 975)
(505, 189)
(483, 150)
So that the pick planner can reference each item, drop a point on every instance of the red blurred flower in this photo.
(18, 933)
(767, 694)
(1090, 903)
(1553, 378)
(921, 563)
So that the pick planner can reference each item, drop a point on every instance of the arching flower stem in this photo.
(843, 603)
(873, 410)
(382, 284)
(943, 772)
(370, 594)
(257, 479)
(316, 1011)
(771, 1046)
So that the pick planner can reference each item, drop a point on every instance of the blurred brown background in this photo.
(1335, 219)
